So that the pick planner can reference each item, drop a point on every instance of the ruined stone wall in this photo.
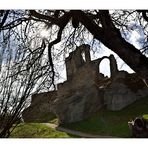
(124, 90)
(75, 60)
(39, 110)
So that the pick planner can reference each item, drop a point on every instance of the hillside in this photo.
(111, 123)
(37, 130)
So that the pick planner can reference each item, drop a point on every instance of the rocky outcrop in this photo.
(86, 90)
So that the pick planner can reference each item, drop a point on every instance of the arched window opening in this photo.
(104, 68)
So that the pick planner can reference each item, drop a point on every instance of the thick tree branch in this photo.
(57, 40)
(15, 23)
(4, 19)
(88, 23)
(41, 16)
(144, 14)
(54, 20)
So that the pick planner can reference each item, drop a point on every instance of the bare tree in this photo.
(24, 70)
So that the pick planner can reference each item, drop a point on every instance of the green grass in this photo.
(145, 116)
(112, 123)
(37, 130)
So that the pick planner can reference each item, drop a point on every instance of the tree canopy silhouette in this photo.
(104, 25)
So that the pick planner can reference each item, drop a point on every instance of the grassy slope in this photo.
(37, 130)
(110, 122)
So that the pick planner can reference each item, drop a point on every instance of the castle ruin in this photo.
(86, 90)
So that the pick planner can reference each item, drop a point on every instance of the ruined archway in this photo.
(112, 65)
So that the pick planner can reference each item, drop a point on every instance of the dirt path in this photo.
(51, 125)
(76, 133)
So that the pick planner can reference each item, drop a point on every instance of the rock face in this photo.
(87, 90)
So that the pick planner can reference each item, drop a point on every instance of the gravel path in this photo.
(76, 133)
